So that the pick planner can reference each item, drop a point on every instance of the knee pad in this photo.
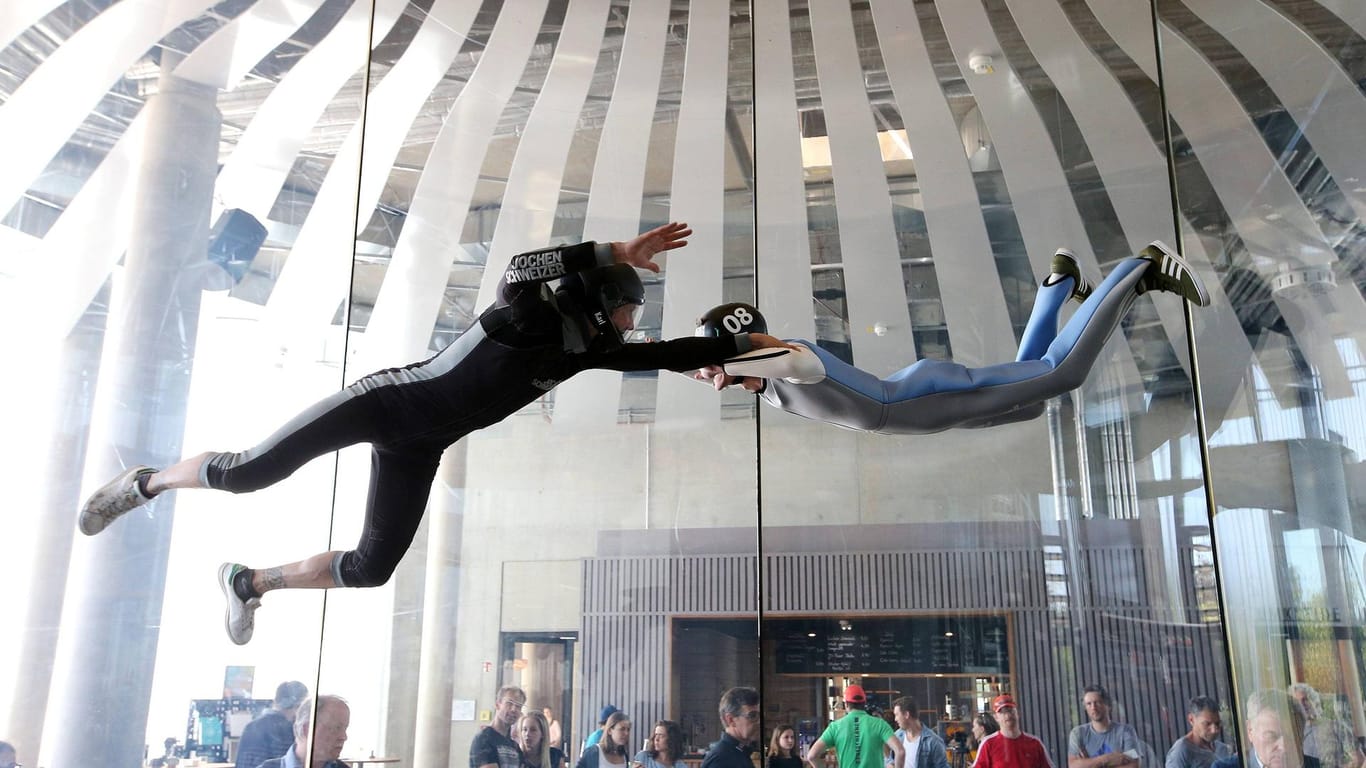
(796, 366)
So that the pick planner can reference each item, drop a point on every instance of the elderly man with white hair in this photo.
(323, 734)
(1274, 724)
(1326, 737)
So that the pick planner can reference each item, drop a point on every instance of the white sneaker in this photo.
(796, 366)
(111, 502)
(240, 617)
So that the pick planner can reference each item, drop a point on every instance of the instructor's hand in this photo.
(719, 379)
(764, 341)
(640, 251)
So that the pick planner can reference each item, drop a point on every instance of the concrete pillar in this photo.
(405, 646)
(441, 606)
(73, 384)
(105, 657)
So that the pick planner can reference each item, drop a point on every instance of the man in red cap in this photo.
(858, 737)
(1010, 747)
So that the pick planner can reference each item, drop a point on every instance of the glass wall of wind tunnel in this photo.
(1267, 106)
(936, 156)
(179, 208)
(563, 547)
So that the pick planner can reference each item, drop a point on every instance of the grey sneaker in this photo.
(1169, 272)
(1065, 265)
(240, 617)
(110, 502)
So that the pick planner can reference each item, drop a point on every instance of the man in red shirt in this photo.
(1010, 747)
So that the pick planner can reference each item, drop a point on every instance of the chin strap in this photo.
(572, 327)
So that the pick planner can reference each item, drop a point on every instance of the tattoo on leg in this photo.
(271, 578)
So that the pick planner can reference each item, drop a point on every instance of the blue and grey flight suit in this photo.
(519, 349)
(935, 395)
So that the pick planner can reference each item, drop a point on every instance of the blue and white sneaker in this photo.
(1170, 273)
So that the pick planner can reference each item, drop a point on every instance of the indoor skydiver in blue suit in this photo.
(934, 395)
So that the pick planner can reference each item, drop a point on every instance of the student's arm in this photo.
(1077, 757)
(816, 755)
(1108, 760)
(898, 751)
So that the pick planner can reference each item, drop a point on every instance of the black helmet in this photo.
(600, 291)
(730, 319)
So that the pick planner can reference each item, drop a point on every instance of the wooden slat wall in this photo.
(1149, 659)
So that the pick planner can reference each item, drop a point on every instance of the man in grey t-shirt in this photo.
(1101, 742)
(1201, 746)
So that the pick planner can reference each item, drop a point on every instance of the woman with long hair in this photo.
(983, 725)
(611, 748)
(782, 748)
(532, 736)
(666, 746)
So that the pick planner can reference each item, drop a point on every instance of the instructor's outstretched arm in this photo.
(640, 250)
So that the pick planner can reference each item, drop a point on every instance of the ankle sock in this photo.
(142, 485)
(241, 585)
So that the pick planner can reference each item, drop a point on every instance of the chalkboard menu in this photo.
(907, 646)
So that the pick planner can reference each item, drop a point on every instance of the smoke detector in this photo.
(981, 63)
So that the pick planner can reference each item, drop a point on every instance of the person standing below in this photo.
(1010, 747)
(8, 757)
(858, 737)
(739, 711)
(1101, 742)
(271, 734)
(1326, 738)
(782, 748)
(666, 746)
(1200, 747)
(612, 748)
(595, 736)
(983, 725)
(556, 733)
(1274, 724)
(924, 748)
(493, 747)
(326, 740)
(537, 751)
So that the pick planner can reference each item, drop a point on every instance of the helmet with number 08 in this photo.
(730, 319)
